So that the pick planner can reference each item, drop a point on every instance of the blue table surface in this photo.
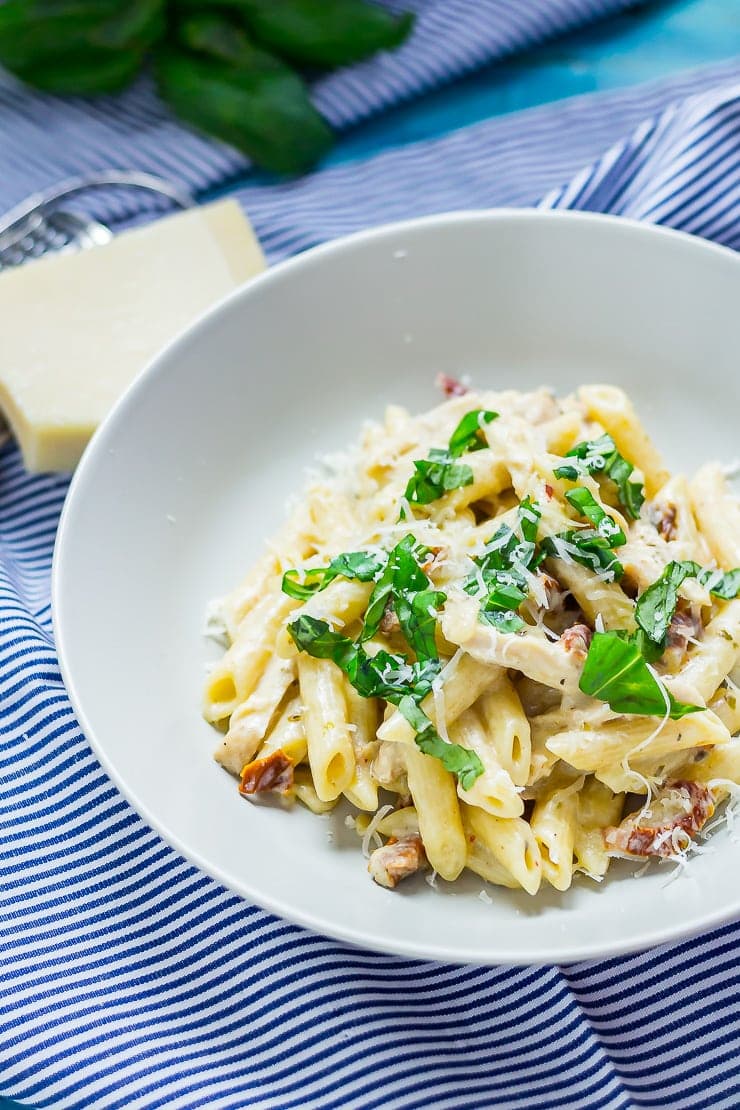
(645, 44)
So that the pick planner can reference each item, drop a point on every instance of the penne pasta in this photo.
(502, 637)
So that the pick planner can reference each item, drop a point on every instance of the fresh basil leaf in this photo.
(616, 672)
(361, 565)
(401, 572)
(586, 504)
(656, 605)
(725, 585)
(433, 478)
(504, 620)
(600, 457)
(458, 760)
(316, 638)
(468, 435)
(392, 677)
(364, 566)
(631, 494)
(263, 108)
(530, 516)
(417, 615)
(323, 33)
(588, 548)
(304, 584)
(436, 475)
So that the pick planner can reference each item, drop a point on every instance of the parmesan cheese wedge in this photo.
(78, 328)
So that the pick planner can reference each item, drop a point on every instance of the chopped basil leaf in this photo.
(586, 547)
(433, 478)
(501, 599)
(304, 584)
(504, 620)
(656, 606)
(499, 583)
(316, 638)
(383, 675)
(417, 615)
(600, 457)
(584, 501)
(458, 760)
(616, 672)
(468, 435)
(401, 579)
(529, 519)
(396, 680)
(391, 676)
(725, 585)
(361, 565)
(436, 475)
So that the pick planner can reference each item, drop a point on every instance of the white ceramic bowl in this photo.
(192, 470)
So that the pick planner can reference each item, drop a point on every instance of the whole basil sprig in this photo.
(225, 67)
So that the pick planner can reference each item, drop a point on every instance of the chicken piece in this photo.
(577, 640)
(679, 808)
(396, 860)
(389, 768)
(274, 772)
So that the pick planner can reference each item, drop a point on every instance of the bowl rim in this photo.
(537, 955)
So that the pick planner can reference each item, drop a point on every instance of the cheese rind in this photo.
(78, 328)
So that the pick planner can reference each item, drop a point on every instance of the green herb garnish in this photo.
(365, 566)
(402, 585)
(587, 547)
(616, 672)
(656, 606)
(500, 582)
(393, 678)
(460, 761)
(586, 504)
(233, 68)
(439, 473)
(601, 458)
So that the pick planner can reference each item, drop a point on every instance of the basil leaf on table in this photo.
(34, 31)
(84, 73)
(616, 672)
(261, 108)
(323, 33)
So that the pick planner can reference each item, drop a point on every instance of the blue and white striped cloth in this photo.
(128, 979)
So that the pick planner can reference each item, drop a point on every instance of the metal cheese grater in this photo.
(41, 224)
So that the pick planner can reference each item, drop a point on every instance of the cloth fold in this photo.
(130, 980)
(47, 139)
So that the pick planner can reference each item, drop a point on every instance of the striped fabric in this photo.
(129, 980)
(45, 139)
